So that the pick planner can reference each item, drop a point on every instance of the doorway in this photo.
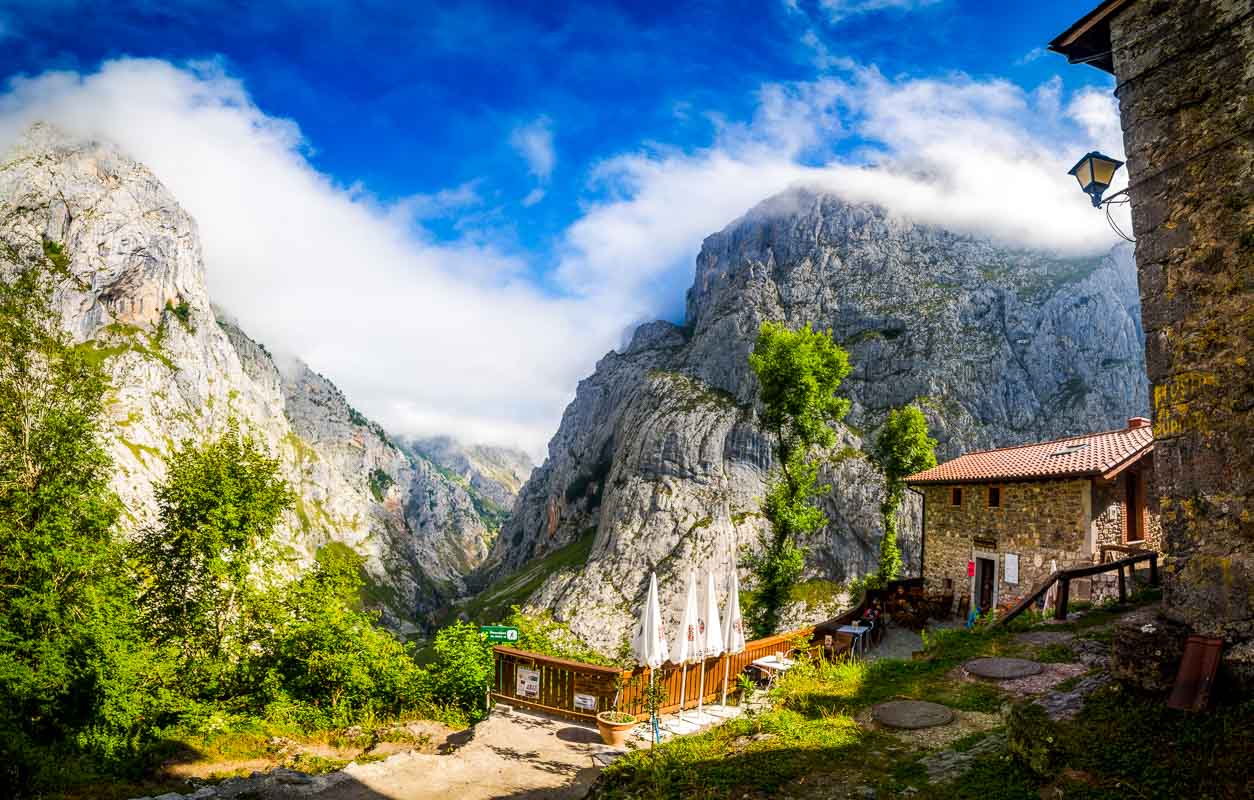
(984, 584)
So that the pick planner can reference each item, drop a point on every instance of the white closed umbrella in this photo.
(1051, 594)
(710, 636)
(734, 631)
(685, 648)
(650, 647)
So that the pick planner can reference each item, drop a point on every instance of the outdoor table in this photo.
(858, 632)
(772, 667)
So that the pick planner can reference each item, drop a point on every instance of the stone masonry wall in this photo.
(1037, 521)
(1109, 517)
(1185, 74)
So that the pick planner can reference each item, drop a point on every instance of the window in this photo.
(994, 497)
(955, 496)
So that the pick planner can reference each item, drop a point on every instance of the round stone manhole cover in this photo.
(912, 714)
(1002, 669)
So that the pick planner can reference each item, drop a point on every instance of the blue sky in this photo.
(416, 98)
(526, 135)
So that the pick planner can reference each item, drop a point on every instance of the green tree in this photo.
(463, 667)
(901, 449)
(73, 675)
(322, 661)
(217, 507)
(798, 375)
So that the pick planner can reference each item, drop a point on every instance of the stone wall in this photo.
(1038, 521)
(1110, 519)
(1186, 93)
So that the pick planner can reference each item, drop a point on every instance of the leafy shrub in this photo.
(463, 668)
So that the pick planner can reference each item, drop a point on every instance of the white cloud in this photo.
(456, 337)
(838, 10)
(534, 142)
(533, 197)
(426, 337)
(1030, 56)
(980, 156)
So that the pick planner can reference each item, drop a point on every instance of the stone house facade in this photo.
(997, 522)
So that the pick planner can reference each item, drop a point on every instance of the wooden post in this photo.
(1064, 597)
(1154, 569)
(1123, 587)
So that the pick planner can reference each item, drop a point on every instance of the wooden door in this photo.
(1134, 531)
(985, 574)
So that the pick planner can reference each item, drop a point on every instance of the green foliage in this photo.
(75, 683)
(463, 667)
(902, 448)
(217, 507)
(540, 633)
(379, 481)
(183, 313)
(321, 662)
(798, 375)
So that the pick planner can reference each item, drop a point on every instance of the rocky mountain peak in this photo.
(136, 297)
(658, 463)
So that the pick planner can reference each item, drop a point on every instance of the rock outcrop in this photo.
(180, 369)
(659, 459)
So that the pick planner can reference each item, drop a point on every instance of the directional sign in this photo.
(499, 633)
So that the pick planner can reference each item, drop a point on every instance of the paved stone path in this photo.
(1002, 669)
(912, 714)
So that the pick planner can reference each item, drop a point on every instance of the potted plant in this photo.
(615, 725)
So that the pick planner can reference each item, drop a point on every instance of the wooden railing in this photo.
(1063, 578)
(557, 681)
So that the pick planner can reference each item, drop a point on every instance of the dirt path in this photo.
(511, 754)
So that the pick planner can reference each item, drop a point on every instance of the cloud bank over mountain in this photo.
(467, 334)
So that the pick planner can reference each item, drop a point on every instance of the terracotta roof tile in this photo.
(1075, 456)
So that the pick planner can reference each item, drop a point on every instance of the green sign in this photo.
(499, 633)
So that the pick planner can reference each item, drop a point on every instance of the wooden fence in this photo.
(1063, 578)
(580, 691)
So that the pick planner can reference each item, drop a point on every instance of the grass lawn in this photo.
(811, 743)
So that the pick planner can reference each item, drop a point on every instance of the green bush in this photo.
(463, 668)
(323, 663)
(77, 685)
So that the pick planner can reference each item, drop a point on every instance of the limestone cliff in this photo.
(658, 459)
(179, 370)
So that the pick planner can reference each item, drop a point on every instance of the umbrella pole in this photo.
(657, 736)
(683, 690)
(726, 667)
(701, 692)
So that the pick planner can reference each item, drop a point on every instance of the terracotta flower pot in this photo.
(614, 728)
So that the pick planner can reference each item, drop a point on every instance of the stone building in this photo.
(997, 522)
(1185, 82)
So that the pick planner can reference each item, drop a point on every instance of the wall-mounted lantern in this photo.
(1094, 172)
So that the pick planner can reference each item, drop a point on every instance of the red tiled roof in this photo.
(1075, 456)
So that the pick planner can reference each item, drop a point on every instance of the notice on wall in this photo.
(585, 702)
(1012, 568)
(528, 683)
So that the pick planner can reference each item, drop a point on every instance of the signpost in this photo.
(499, 633)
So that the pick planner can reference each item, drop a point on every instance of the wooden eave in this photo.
(1114, 471)
(1087, 41)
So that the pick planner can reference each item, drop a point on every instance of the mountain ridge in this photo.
(180, 369)
(658, 453)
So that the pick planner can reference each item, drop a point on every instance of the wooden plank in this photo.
(1064, 597)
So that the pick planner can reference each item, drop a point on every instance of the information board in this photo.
(528, 683)
(1012, 567)
(586, 702)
